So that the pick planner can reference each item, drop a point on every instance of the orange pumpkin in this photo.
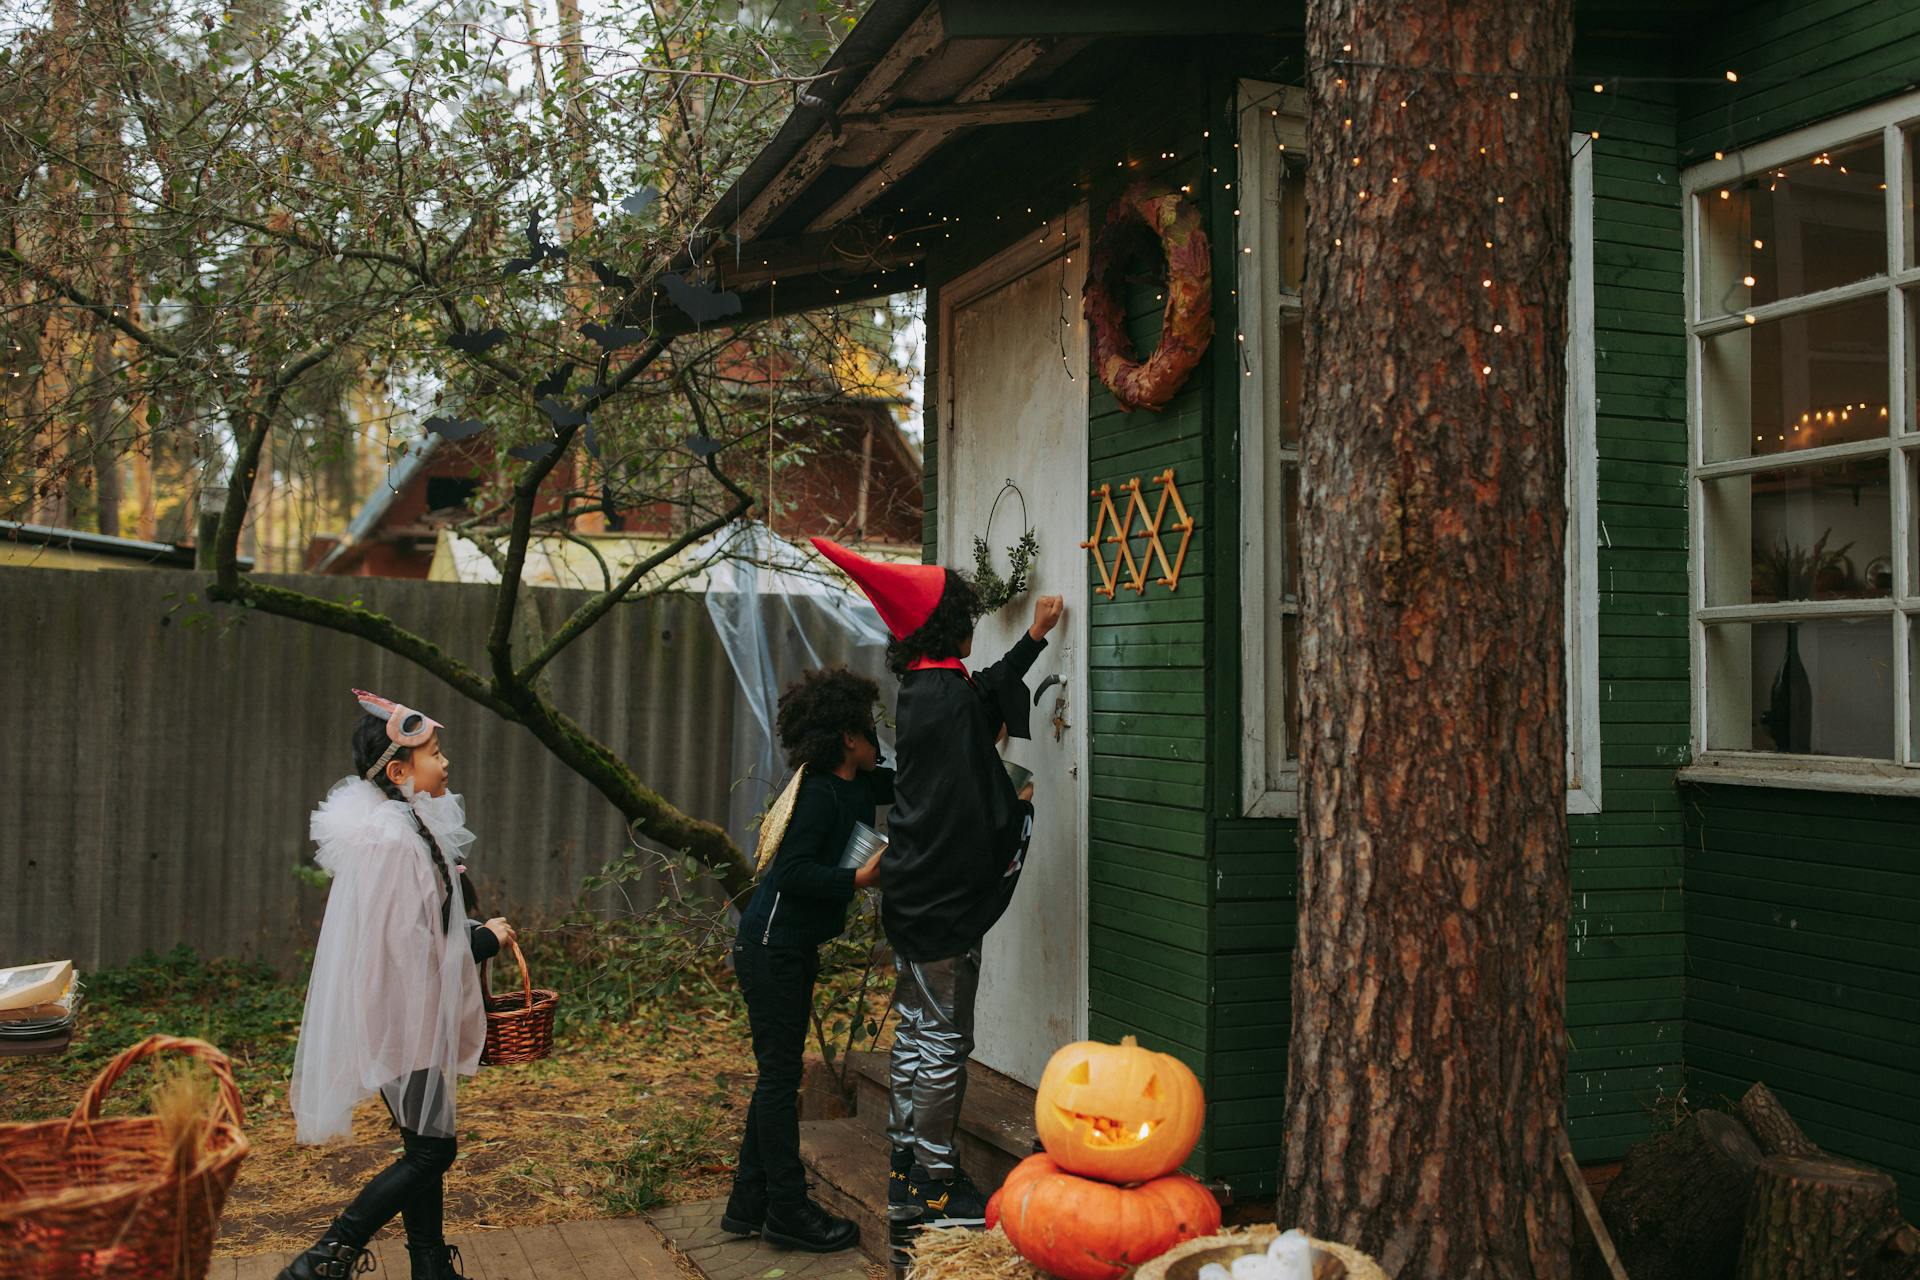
(1119, 1113)
(1080, 1229)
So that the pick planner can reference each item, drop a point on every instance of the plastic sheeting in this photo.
(779, 613)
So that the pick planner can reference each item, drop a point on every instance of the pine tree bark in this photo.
(1427, 1062)
(1817, 1218)
(1680, 1203)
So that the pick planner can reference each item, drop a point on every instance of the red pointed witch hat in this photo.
(904, 594)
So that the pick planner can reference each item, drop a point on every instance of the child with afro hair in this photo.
(825, 725)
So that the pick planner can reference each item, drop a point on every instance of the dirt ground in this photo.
(605, 1125)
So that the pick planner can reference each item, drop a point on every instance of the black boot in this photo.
(745, 1212)
(328, 1260)
(434, 1262)
(807, 1226)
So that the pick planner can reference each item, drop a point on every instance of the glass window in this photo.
(1813, 223)
(1272, 262)
(1806, 471)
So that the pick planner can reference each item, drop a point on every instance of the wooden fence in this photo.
(159, 756)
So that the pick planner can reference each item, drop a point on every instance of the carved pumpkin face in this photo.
(1118, 1113)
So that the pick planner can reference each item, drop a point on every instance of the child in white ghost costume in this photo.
(393, 1003)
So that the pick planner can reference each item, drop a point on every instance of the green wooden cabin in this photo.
(1745, 473)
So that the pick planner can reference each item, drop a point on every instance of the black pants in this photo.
(778, 984)
(411, 1187)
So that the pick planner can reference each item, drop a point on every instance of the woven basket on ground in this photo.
(1330, 1261)
(92, 1199)
(519, 1025)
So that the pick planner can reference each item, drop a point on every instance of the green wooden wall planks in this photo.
(1799, 61)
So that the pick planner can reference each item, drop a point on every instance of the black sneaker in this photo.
(807, 1226)
(746, 1211)
(946, 1202)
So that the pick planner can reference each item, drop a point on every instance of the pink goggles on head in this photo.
(405, 726)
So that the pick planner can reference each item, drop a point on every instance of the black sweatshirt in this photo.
(802, 899)
(959, 831)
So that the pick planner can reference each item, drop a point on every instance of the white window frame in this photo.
(1269, 783)
(1890, 121)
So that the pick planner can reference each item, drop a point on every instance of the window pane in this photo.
(1796, 383)
(1819, 687)
(1287, 412)
(1823, 532)
(1913, 157)
(1293, 224)
(1814, 223)
(1290, 524)
(1290, 647)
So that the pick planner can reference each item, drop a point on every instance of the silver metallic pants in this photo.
(928, 1076)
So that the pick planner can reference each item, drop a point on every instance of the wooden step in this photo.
(848, 1161)
(996, 1117)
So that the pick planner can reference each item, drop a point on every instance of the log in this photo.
(1816, 1218)
(1679, 1206)
(1771, 1126)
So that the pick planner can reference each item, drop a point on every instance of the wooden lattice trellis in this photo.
(1153, 523)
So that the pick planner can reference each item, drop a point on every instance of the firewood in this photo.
(1772, 1127)
(1813, 1217)
(1677, 1209)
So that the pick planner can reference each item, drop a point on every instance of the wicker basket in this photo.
(519, 1026)
(1331, 1261)
(92, 1199)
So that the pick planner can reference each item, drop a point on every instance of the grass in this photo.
(640, 1107)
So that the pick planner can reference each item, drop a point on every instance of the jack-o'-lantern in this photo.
(1117, 1112)
(1081, 1229)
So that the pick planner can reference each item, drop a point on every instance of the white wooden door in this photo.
(1013, 400)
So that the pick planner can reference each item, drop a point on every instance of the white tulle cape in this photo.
(394, 998)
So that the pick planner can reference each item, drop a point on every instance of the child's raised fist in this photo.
(1046, 616)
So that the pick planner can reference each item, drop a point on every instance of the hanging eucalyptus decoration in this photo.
(993, 590)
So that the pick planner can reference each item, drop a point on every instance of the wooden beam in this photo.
(873, 92)
(1005, 69)
(761, 261)
(965, 115)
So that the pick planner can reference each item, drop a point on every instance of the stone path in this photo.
(695, 1230)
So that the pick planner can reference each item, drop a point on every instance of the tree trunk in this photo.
(102, 433)
(1771, 1126)
(1677, 1208)
(1817, 1218)
(1427, 1064)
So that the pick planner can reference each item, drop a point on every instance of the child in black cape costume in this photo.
(958, 836)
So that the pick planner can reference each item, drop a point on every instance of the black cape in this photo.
(957, 831)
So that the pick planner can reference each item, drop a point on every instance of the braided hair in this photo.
(370, 742)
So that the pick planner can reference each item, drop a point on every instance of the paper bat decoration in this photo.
(562, 415)
(700, 303)
(592, 442)
(593, 390)
(705, 446)
(639, 200)
(556, 382)
(615, 336)
(476, 344)
(537, 241)
(532, 452)
(609, 277)
(538, 245)
(452, 429)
